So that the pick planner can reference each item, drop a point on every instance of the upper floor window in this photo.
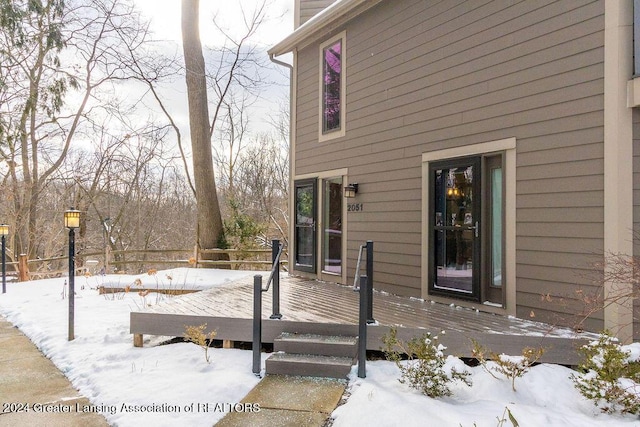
(332, 88)
(636, 38)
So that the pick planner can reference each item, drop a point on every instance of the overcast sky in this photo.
(165, 18)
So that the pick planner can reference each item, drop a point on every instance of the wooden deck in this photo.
(309, 306)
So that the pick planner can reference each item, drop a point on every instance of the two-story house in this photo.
(488, 148)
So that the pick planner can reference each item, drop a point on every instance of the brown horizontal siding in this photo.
(577, 199)
(395, 283)
(559, 229)
(551, 258)
(431, 94)
(586, 246)
(382, 207)
(425, 76)
(566, 185)
(585, 215)
(555, 315)
(544, 273)
(393, 248)
(501, 71)
(370, 218)
(310, 8)
(384, 227)
(574, 307)
(560, 170)
(585, 151)
(547, 291)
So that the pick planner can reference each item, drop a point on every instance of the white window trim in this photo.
(343, 89)
(508, 148)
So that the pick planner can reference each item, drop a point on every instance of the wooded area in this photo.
(88, 119)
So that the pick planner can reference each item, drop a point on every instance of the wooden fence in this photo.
(140, 261)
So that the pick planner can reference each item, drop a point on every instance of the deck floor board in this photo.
(304, 300)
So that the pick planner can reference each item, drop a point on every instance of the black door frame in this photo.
(476, 163)
(313, 183)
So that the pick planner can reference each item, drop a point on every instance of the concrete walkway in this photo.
(33, 392)
(288, 401)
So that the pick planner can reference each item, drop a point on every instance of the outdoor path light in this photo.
(4, 231)
(72, 221)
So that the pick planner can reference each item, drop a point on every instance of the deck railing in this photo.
(368, 248)
(274, 277)
(365, 312)
(138, 261)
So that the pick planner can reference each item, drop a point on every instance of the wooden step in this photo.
(308, 365)
(323, 345)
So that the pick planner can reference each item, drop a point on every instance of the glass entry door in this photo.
(319, 227)
(305, 225)
(332, 226)
(454, 237)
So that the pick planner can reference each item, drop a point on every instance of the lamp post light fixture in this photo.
(350, 191)
(4, 231)
(72, 221)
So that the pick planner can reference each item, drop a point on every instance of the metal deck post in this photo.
(362, 328)
(257, 322)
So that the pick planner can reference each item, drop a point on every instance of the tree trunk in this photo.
(209, 231)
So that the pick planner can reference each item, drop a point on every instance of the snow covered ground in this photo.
(182, 389)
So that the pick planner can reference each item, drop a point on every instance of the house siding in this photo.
(307, 9)
(425, 76)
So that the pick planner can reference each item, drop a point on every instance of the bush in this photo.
(196, 335)
(610, 376)
(511, 367)
(424, 370)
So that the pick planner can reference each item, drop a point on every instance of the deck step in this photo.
(308, 365)
(322, 345)
(314, 355)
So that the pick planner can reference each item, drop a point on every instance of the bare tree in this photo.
(58, 58)
(263, 183)
(232, 135)
(210, 227)
(132, 191)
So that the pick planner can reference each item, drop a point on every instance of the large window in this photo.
(332, 88)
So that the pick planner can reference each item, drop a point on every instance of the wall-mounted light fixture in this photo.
(350, 191)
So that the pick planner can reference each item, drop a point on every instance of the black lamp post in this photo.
(72, 221)
(4, 230)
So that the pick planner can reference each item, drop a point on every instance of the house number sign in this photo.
(355, 207)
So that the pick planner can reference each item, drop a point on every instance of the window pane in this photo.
(332, 219)
(305, 225)
(496, 227)
(332, 71)
(454, 229)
